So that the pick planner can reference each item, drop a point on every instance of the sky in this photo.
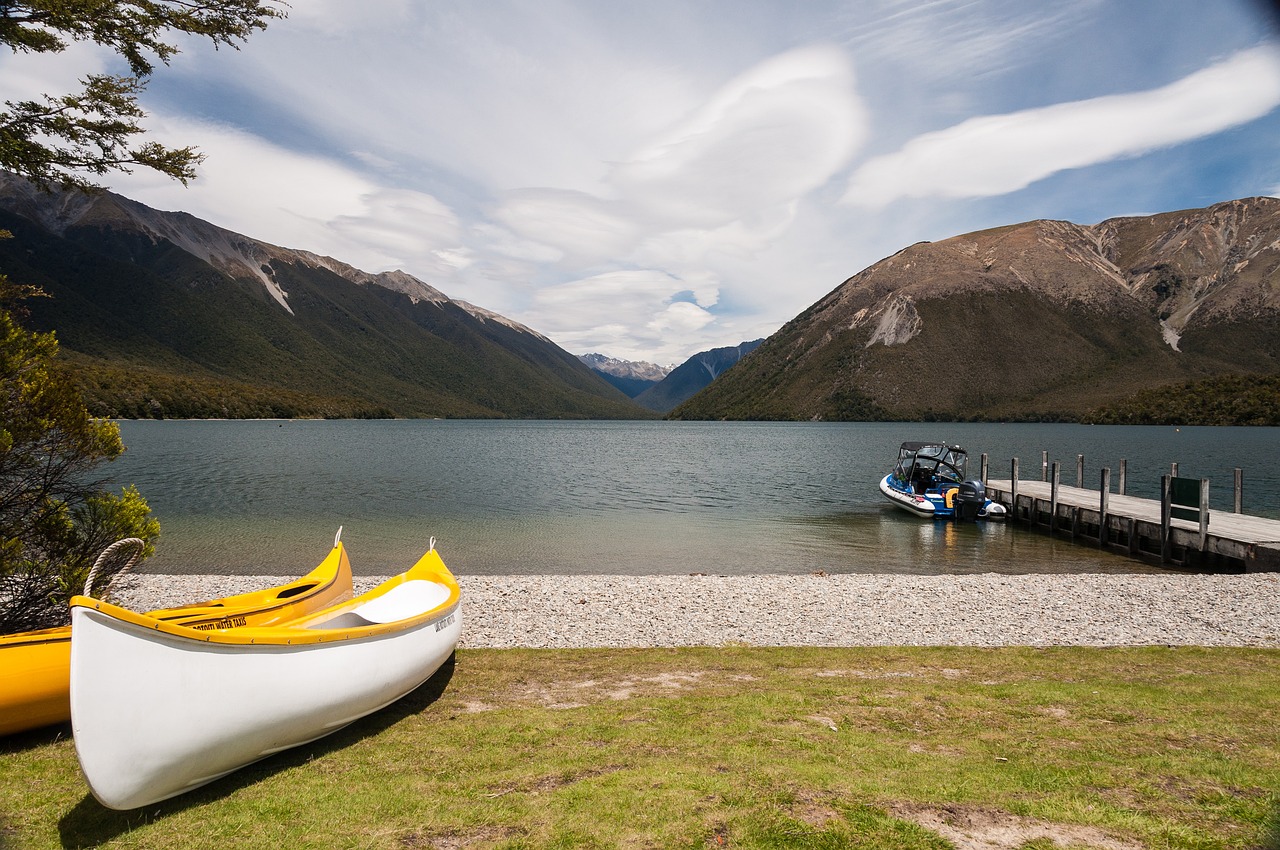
(648, 180)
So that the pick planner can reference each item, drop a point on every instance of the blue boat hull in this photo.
(934, 504)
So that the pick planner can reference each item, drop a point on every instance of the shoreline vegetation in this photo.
(141, 393)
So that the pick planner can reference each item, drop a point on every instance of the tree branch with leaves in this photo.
(62, 138)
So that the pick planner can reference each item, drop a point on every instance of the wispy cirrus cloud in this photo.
(302, 201)
(999, 154)
(577, 227)
(776, 132)
(769, 136)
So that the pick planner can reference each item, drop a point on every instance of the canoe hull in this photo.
(247, 704)
(33, 679)
(158, 711)
(35, 666)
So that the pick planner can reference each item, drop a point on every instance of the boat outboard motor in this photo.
(970, 499)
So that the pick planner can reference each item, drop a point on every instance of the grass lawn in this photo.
(894, 748)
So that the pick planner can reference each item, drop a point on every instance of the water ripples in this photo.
(620, 497)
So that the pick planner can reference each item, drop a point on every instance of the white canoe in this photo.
(159, 709)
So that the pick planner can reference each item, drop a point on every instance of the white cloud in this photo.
(946, 41)
(680, 317)
(501, 242)
(713, 193)
(399, 222)
(633, 314)
(764, 139)
(339, 17)
(740, 240)
(299, 201)
(581, 227)
(773, 134)
(28, 76)
(507, 95)
(627, 290)
(994, 155)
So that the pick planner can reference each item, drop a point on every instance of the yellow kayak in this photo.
(35, 666)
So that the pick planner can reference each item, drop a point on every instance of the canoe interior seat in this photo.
(399, 603)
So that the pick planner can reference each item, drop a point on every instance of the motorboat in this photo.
(930, 480)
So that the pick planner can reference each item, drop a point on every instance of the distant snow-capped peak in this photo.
(638, 369)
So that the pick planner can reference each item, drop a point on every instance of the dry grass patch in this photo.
(969, 828)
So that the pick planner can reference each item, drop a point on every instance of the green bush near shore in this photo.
(739, 747)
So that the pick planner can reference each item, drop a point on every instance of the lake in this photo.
(637, 498)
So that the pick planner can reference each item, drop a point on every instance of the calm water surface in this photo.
(265, 497)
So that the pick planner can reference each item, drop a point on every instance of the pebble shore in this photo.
(566, 612)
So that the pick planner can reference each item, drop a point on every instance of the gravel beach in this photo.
(563, 612)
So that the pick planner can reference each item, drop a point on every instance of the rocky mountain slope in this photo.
(1045, 319)
(162, 314)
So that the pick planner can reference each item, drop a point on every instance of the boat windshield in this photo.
(930, 464)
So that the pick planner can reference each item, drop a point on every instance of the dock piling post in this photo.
(1103, 494)
(1239, 489)
(1204, 513)
(1053, 498)
(1080, 471)
(1123, 469)
(1044, 466)
(1173, 469)
(1165, 517)
(984, 469)
(1013, 489)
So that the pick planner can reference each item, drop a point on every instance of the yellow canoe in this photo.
(159, 708)
(35, 666)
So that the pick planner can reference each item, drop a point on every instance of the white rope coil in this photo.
(108, 554)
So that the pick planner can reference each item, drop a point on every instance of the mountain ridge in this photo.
(1042, 319)
(166, 300)
(233, 253)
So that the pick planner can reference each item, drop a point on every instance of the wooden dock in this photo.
(1230, 542)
